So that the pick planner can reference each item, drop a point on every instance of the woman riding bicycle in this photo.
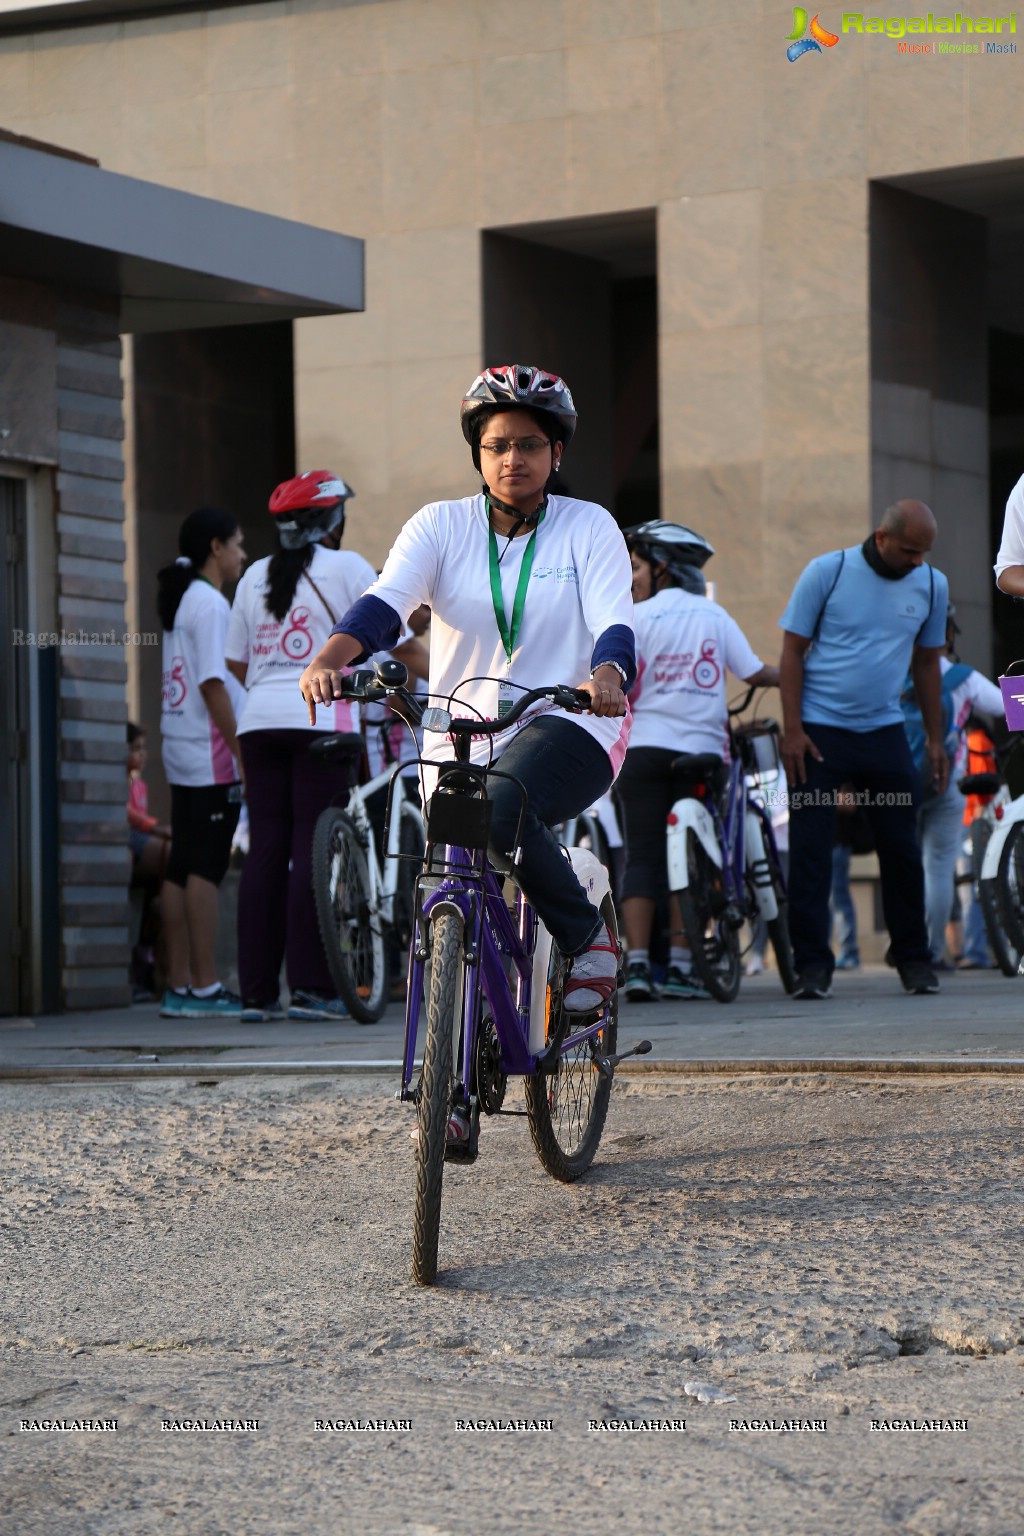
(685, 645)
(525, 588)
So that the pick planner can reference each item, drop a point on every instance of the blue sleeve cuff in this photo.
(373, 622)
(618, 645)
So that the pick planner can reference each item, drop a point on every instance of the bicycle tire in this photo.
(352, 935)
(567, 1108)
(1010, 888)
(1007, 958)
(714, 942)
(436, 1083)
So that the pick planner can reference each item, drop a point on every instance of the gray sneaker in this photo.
(812, 984)
(918, 978)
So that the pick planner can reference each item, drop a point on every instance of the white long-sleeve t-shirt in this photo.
(579, 587)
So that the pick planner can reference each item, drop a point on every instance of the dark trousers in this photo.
(563, 770)
(286, 789)
(880, 763)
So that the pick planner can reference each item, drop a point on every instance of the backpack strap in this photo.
(835, 582)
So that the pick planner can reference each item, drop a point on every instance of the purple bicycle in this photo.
(491, 979)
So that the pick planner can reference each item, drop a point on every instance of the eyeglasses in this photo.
(502, 447)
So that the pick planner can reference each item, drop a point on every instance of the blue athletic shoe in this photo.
(262, 1013)
(219, 1005)
(172, 1004)
(308, 1005)
(680, 983)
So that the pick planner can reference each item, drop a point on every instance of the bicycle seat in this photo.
(699, 768)
(979, 784)
(344, 744)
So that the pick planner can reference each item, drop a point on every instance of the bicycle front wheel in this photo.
(350, 926)
(438, 1079)
(567, 1108)
(713, 938)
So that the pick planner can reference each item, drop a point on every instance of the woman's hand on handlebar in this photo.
(605, 690)
(319, 685)
(321, 681)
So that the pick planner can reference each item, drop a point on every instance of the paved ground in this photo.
(818, 1274)
(977, 1019)
(813, 1209)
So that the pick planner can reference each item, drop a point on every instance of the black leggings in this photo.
(645, 793)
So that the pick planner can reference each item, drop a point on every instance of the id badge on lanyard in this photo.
(506, 697)
(509, 632)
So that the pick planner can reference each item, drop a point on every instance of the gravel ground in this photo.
(819, 1248)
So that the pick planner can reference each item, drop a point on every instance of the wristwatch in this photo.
(620, 670)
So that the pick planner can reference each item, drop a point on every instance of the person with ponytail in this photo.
(200, 756)
(285, 607)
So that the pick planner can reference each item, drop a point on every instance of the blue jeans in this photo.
(975, 932)
(940, 827)
(563, 770)
(880, 763)
(844, 913)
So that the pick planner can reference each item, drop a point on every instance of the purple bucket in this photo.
(1011, 686)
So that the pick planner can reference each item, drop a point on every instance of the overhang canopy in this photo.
(173, 261)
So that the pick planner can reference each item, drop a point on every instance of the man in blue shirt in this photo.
(857, 620)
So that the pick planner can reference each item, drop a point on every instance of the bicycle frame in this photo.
(493, 938)
(383, 877)
(731, 839)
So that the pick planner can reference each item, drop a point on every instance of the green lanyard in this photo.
(510, 634)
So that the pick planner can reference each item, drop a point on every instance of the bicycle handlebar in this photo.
(737, 709)
(390, 677)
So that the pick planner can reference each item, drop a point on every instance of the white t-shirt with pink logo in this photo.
(193, 749)
(685, 644)
(277, 651)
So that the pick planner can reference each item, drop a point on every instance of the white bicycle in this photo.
(365, 905)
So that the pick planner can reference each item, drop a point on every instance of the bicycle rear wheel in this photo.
(778, 930)
(567, 1108)
(1007, 956)
(713, 938)
(350, 929)
(443, 999)
(1010, 884)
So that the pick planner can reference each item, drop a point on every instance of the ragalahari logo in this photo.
(799, 44)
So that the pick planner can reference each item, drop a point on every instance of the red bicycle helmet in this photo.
(308, 506)
(519, 384)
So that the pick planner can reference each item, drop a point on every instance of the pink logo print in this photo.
(706, 670)
(297, 642)
(173, 685)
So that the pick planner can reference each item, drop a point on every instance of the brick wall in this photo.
(95, 863)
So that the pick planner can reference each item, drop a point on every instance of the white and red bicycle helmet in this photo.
(518, 384)
(309, 506)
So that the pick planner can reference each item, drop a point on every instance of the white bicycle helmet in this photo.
(681, 551)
